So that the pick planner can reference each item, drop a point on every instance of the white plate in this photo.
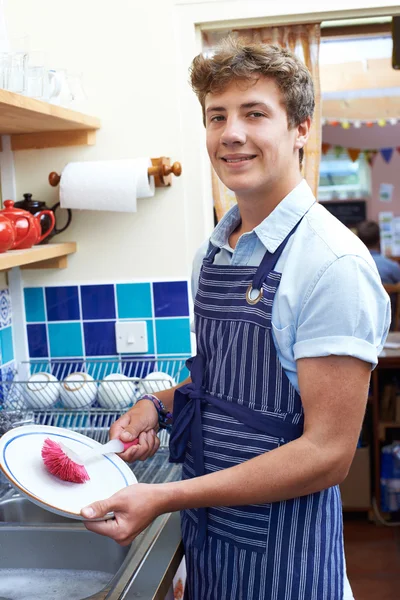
(22, 464)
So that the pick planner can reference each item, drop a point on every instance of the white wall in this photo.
(134, 56)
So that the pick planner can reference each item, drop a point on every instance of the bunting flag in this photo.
(370, 156)
(338, 150)
(325, 148)
(387, 154)
(354, 153)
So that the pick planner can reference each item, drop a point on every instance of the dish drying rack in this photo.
(68, 392)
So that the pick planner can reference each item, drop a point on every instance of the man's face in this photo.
(248, 140)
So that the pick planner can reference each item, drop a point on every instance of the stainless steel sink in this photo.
(43, 555)
(58, 547)
(46, 557)
(57, 561)
(21, 510)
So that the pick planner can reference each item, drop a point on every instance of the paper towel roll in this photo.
(112, 185)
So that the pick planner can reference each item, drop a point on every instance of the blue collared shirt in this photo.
(388, 270)
(330, 299)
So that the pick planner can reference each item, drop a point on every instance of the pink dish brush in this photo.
(64, 463)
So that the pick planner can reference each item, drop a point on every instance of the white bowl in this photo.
(116, 391)
(78, 390)
(156, 382)
(42, 390)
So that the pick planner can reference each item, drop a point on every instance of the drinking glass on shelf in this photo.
(35, 82)
(35, 75)
(16, 64)
(16, 72)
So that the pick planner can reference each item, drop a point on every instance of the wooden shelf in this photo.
(48, 256)
(35, 124)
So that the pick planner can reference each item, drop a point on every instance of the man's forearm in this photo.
(295, 469)
(167, 396)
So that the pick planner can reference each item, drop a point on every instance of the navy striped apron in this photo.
(239, 405)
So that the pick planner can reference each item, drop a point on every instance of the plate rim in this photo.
(39, 502)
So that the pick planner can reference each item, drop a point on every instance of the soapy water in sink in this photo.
(50, 584)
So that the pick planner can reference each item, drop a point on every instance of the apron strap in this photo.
(270, 259)
(210, 254)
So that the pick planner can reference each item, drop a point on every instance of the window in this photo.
(340, 178)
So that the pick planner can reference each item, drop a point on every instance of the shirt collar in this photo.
(274, 228)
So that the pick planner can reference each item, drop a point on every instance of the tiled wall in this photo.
(79, 320)
(6, 336)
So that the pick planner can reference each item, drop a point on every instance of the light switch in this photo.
(131, 337)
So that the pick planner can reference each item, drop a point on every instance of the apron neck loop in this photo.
(270, 259)
(211, 253)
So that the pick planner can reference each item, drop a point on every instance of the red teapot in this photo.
(27, 226)
(7, 235)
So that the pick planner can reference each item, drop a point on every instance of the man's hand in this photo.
(141, 422)
(134, 508)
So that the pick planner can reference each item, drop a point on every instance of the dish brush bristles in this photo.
(60, 465)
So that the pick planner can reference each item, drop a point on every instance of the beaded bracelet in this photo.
(164, 417)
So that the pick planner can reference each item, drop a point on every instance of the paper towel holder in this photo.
(161, 170)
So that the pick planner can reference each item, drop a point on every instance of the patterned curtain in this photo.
(304, 41)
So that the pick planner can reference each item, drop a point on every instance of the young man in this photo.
(290, 317)
(389, 270)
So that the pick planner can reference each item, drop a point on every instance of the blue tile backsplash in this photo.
(6, 334)
(173, 336)
(79, 321)
(6, 344)
(62, 303)
(99, 338)
(37, 340)
(65, 339)
(134, 300)
(98, 302)
(72, 327)
(170, 299)
(34, 305)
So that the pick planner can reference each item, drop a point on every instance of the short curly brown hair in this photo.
(369, 233)
(237, 59)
